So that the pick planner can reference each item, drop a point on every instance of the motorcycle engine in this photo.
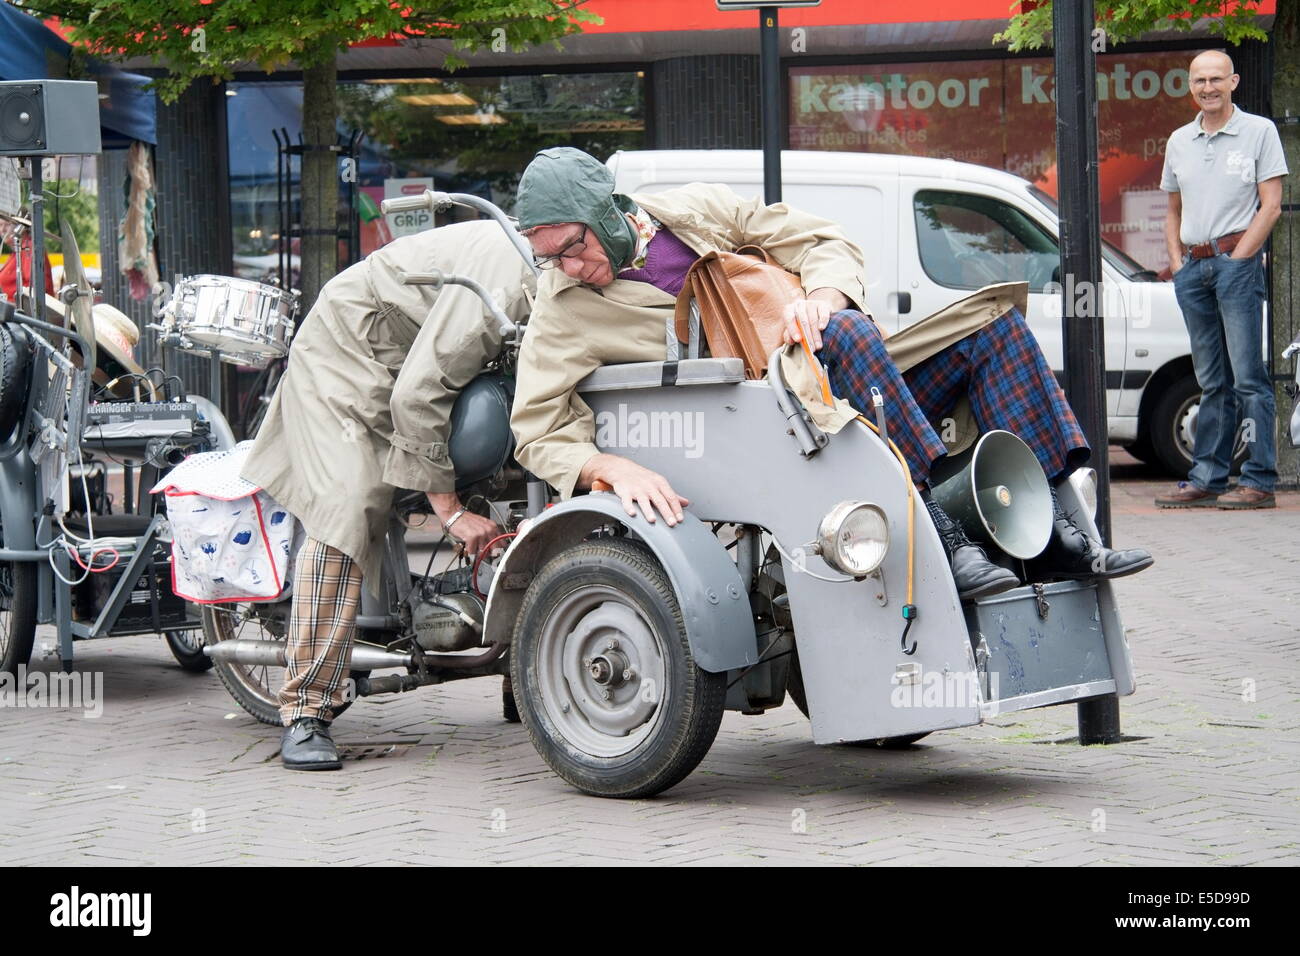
(446, 622)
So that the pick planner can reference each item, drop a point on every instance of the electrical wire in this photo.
(153, 391)
(911, 511)
(801, 565)
(478, 559)
(491, 507)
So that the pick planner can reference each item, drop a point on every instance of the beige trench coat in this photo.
(373, 373)
(576, 329)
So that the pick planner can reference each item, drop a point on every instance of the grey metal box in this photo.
(49, 117)
(1041, 645)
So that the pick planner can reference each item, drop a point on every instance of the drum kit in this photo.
(244, 322)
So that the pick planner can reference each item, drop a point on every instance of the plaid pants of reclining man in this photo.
(326, 596)
(999, 367)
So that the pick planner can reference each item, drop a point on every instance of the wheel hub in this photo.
(601, 672)
(612, 668)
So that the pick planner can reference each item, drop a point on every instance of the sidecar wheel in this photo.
(604, 677)
(888, 743)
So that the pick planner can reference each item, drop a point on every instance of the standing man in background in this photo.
(1223, 172)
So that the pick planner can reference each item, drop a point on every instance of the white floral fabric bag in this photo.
(231, 541)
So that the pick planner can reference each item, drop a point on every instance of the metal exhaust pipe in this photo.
(271, 654)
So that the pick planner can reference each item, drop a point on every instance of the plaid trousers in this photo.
(1000, 368)
(322, 624)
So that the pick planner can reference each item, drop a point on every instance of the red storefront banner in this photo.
(1002, 113)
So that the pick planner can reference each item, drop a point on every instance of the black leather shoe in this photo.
(1073, 554)
(975, 575)
(307, 745)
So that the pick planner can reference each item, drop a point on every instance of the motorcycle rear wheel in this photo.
(256, 688)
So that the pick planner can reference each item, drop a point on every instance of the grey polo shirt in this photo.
(1218, 173)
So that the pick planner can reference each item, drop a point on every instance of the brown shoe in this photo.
(1243, 497)
(1187, 495)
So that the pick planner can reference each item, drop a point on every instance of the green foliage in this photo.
(1125, 20)
(599, 113)
(192, 39)
(66, 201)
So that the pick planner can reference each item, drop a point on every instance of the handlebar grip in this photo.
(403, 204)
(426, 200)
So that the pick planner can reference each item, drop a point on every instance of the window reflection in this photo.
(472, 134)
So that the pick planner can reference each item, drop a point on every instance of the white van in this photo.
(933, 230)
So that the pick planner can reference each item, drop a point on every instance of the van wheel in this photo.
(603, 675)
(1172, 432)
(1142, 450)
(794, 687)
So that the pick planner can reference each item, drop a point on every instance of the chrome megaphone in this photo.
(999, 493)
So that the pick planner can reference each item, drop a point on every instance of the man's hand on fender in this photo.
(636, 486)
(815, 311)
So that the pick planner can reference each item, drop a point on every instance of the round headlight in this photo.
(854, 537)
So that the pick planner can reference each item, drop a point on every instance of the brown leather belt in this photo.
(1216, 246)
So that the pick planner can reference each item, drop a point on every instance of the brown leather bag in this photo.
(742, 297)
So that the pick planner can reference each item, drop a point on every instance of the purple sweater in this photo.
(667, 260)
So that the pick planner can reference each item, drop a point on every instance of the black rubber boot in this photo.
(975, 575)
(307, 745)
(1072, 554)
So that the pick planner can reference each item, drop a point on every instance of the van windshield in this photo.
(1118, 259)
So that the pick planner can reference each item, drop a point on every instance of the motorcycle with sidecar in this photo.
(803, 566)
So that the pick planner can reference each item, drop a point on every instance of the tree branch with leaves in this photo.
(192, 40)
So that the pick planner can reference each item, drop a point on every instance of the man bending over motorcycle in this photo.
(363, 410)
(616, 264)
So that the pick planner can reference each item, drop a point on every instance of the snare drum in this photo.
(248, 322)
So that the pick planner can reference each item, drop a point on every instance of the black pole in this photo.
(770, 67)
(37, 196)
(1082, 329)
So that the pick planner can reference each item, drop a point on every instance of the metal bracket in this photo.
(1040, 600)
(809, 437)
(909, 673)
(882, 590)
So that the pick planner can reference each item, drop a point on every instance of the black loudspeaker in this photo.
(49, 118)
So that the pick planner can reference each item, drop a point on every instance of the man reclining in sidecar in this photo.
(616, 265)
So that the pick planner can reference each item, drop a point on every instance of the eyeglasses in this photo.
(574, 249)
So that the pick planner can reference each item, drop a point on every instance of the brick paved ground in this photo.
(174, 772)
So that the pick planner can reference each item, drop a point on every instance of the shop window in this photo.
(462, 134)
(967, 241)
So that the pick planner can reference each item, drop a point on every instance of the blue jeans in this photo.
(1222, 300)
